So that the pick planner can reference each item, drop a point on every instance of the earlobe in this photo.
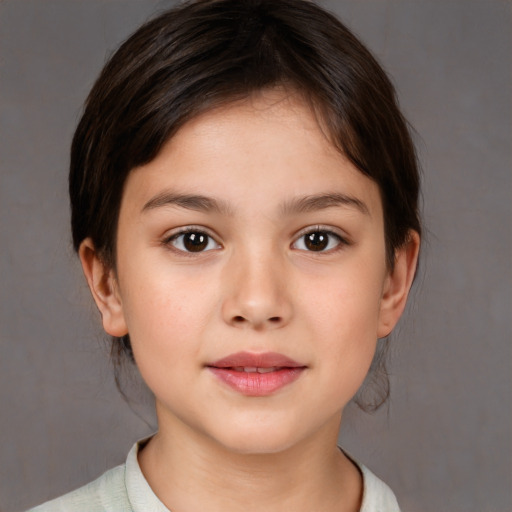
(104, 289)
(398, 284)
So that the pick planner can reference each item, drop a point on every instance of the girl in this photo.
(244, 205)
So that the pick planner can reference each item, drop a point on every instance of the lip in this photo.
(256, 374)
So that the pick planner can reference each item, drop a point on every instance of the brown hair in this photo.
(206, 53)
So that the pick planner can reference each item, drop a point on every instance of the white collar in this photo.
(377, 496)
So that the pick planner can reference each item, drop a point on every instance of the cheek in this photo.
(166, 314)
(345, 314)
(349, 327)
(165, 326)
(347, 302)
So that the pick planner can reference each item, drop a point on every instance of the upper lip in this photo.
(253, 360)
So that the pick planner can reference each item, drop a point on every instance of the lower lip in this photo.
(257, 384)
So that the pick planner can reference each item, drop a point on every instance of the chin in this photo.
(258, 439)
(259, 446)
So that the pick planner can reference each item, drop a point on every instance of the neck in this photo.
(189, 472)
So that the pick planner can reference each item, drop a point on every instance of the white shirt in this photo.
(124, 489)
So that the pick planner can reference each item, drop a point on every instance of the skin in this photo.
(256, 287)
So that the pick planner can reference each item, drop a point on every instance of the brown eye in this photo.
(193, 241)
(318, 241)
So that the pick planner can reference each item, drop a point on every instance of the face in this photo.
(251, 276)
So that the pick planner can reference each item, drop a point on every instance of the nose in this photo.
(257, 293)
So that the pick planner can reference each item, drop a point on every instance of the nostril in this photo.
(239, 319)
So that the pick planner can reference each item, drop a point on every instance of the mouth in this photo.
(256, 374)
(251, 369)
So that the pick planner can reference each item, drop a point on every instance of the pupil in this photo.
(317, 241)
(195, 242)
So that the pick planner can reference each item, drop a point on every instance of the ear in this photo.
(105, 291)
(397, 285)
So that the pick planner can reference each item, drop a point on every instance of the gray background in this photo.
(444, 442)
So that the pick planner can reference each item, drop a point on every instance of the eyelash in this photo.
(171, 240)
(340, 240)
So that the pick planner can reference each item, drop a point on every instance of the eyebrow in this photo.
(303, 204)
(321, 202)
(195, 202)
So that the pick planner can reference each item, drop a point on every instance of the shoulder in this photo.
(106, 493)
(377, 496)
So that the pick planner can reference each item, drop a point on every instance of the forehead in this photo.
(265, 149)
